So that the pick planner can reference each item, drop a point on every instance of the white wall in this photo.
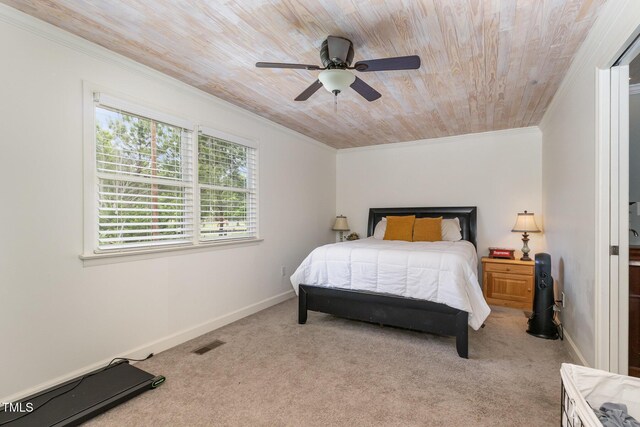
(499, 172)
(59, 316)
(569, 171)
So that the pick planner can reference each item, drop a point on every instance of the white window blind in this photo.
(144, 180)
(227, 187)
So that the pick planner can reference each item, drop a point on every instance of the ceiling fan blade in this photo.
(338, 48)
(389, 64)
(281, 65)
(367, 92)
(309, 91)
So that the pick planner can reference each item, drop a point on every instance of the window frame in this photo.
(95, 96)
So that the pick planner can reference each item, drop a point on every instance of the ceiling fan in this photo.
(336, 54)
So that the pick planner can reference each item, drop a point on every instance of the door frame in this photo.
(603, 165)
(612, 212)
(609, 277)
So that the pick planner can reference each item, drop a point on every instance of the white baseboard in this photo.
(575, 353)
(161, 344)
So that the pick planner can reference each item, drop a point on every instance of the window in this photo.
(144, 191)
(227, 190)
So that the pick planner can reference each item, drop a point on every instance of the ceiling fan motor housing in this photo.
(327, 62)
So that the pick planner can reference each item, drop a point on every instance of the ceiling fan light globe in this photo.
(336, 80)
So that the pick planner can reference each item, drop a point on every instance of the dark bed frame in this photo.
(385, 309)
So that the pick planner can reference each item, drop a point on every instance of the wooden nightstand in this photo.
(508, 282)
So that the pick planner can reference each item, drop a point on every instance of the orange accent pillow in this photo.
(427, 230)
(400, 228)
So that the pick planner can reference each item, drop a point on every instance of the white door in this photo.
(619, 220)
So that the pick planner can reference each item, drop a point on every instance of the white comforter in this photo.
(442, 272)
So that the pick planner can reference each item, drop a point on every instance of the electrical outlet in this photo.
(283, 271)
(564, 299)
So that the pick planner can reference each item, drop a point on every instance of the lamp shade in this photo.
(525, 223)
(341, 223)
(336, 80)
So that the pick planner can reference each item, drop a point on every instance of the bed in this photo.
(340, 285)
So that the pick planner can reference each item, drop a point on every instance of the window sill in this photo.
(102, 258)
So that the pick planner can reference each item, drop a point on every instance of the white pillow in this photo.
(381, 228)
(451, 230)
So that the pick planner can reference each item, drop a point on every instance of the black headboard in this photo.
(466, 214)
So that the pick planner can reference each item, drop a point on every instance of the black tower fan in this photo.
(541, 323)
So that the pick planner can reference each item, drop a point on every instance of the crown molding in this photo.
(446, 139)
(57, 35)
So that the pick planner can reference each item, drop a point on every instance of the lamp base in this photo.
(525, 247)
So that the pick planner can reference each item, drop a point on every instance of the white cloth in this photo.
(442, 272)
(589, 388)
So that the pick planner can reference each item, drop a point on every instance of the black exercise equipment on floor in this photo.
(81, 398)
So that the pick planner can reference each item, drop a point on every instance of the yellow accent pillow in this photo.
(427, 230)
(400, 228)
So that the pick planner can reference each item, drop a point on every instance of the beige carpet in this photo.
(332, 371)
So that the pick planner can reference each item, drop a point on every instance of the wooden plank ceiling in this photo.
(486, 64)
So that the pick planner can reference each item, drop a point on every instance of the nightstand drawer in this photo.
(508, 268)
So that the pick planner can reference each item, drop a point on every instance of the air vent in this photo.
(208, 347)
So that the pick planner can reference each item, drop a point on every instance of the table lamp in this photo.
(525, 223)
(341, 225)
